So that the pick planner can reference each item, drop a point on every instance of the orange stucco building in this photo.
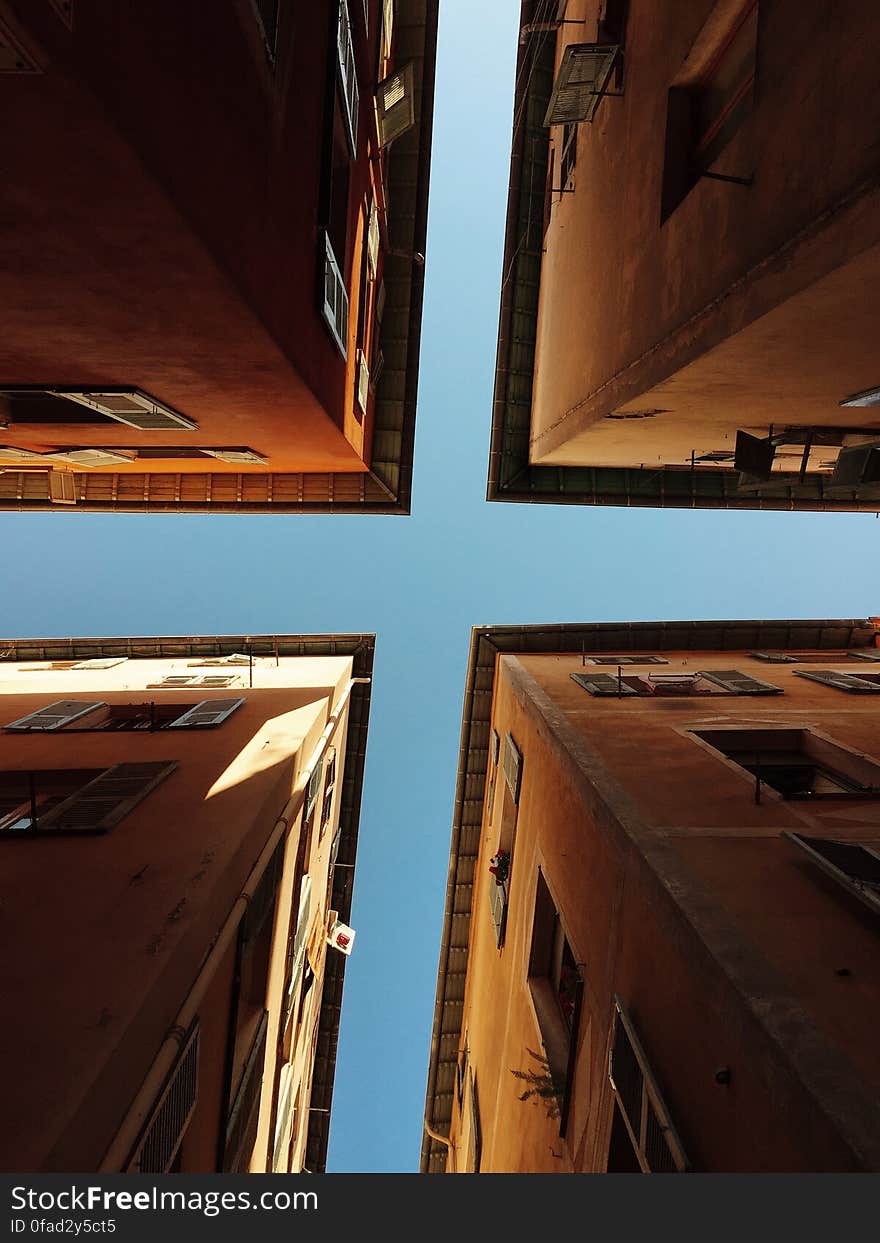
(213, 254)
(692, 245)
(178, 820)
(660, 940)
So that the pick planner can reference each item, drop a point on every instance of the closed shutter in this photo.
(348, 73)
(62, 487)
(583, 76)
(652, 1135)
(363, 382)
(855, 867)
(227, 679)
(498, 909)
(475, 1146)
(298, 949)
(387, 26)
(235, 455)
(101, 662)
(739, 683)
(627, 660)
(774, 658)
(285, 1108)
(129, 406)
(93, 457)
(241, 1127)
(840, 681)
(395, 104)
(873, 654)
(512, 766)
(602, 684)
(55, 715)
(208, 713)
(161, 1137)
(107, 799)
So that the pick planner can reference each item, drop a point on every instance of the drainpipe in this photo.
(441, 1139)
(126, 1137)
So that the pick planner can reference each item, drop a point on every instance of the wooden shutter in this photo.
(348, 73)
(101, 662)
(54, 715)
(840, 681)
(654, 1138)
(855, 867)
(107, 799)
(475, 1146)
(603, 684)
(217, 679)
(583, 76)
(774, 658)
(298, 947)
(161, 1137)
(241, 1126)
(313, 787)
(498, 909)
(872, 654)
(512, 766)
(62, 487)
(363, 381)
(129, 406)
(395, 104)
(739, 683)
(206, 714)
(373, 240)
(627, 660)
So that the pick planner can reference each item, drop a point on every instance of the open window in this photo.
(643, 1138)
(679, 682)
(501, 863)
(36, 803)
(854, 866)
(131, 406)
(555, 985)
(796, 763)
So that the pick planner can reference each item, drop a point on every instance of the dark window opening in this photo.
(40, 407)
(796, 763)
(74, 801)
(569, 155)
(554, 983)
(340, 175)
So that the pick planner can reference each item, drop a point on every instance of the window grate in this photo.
(652, 1135)
(161, 1138)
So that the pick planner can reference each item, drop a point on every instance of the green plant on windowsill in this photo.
(499, 866)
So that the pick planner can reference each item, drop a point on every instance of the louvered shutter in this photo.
(262, 901)
(241, 1127)
(131, 407)
(363, 381)
(235, 455)
(739, 683)
(225, 679)
(583, 76)
(298, 949)
(396, 104)
(873, 654)
(498, 909)
(93, 457)
(106, 799)
(54, 715)
(208, 713)
(840, 681)
(774, 658)
(627, 660)
(512, 766)
(161, 1137)
(373, 241)
(348, 73)
(313, 788)
(602, 684)
(650, 1128)
(101, 662)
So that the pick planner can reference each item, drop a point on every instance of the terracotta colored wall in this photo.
(618, 286)
(678, 894)
(111, 930)
(164, 211)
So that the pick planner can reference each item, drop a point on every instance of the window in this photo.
(387, 33)
(642, 1135)
(710, 98)
(626, 660)
(190, 679)
(267, 16)
(313, 789)
(395, 104)
(126, 717)
(855, 867)
(473, 1148)
(555, 985)
(131, 406)
(569, 155)
(347, 74)
(501, 862)
(160, 1140)
(329, 788)
(42, 802)
(854, 683)
(494, 755)
(701, 682)
(335, 304)
(796, 763)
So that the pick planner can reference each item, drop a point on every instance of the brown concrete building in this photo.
(178, 820)
(212, 255)
(691, 257)
(660, 942)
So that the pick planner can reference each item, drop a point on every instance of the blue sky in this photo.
(420, 583)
